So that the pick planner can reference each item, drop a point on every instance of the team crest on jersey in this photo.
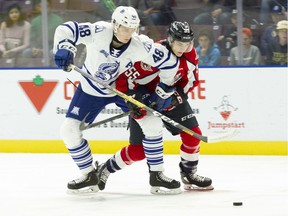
(107, 71)
(147, 45)
(145, 66)
(115, 53)
(98, 28)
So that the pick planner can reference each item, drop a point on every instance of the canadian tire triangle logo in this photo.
(38, 91)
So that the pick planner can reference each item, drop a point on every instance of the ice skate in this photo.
(102, 174)
(84, 184)
(192, 181)
(161, 184)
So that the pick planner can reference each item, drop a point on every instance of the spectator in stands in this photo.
(162, 13)
(228, 39)
(14, 33)
(214, 12)
(277, 49)
(157, 11)
(265, 8)
(207, 50)
(105, 8)
(277, 14)
(251, 53)
(153, 14)
(36, 47)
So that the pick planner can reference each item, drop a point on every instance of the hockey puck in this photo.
(237, 203)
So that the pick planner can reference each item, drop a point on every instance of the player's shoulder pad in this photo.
(160, 46)
(102, 31)
(192, 56)
(101, 26)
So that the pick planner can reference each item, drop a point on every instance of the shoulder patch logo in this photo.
(98, 28)
(147, 46)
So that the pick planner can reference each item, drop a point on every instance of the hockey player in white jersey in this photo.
(112, 48)
(180, 41)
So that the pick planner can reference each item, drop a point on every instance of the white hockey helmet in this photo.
(126, 16)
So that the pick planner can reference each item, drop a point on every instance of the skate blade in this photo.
(196, 188)
(83, 191)
(165, 191)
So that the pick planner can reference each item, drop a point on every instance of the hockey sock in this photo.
(82, 156)
(126, 156)
(189, 151)
(153, 148)
(187, 165)
(132, 153)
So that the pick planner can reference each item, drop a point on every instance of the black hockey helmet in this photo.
(180, 31)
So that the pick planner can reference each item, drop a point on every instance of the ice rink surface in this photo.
(35, 185)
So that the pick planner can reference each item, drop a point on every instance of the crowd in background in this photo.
(215, 23)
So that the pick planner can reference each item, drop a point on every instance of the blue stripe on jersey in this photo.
(168, 58)
(77, 32)
(68, 26)
(91, 84)
(66, 40)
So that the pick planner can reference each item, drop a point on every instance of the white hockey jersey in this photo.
(105, 62)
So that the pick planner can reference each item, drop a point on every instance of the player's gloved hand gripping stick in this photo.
(154, 112)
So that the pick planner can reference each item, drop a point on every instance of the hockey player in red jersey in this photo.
(167, 93)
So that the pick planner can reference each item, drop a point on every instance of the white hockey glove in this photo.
(65, 56)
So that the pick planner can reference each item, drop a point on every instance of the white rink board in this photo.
(253, 100)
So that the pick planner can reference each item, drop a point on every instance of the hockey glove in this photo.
(136, 112)
(178, 97)
(65, 55)
(161, 98)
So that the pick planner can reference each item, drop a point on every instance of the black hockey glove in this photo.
(136, 112)
(65, 55)
(161, 98)
(178, 97)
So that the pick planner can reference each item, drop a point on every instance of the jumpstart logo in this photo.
(226, 111)
(38, 91)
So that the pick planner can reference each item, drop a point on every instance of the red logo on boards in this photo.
(225, 114)
(225, 108)
(38, 91)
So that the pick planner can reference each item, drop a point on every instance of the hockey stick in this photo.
(83, 127)
(149, 109)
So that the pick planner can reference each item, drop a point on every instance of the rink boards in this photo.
(252, 101)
